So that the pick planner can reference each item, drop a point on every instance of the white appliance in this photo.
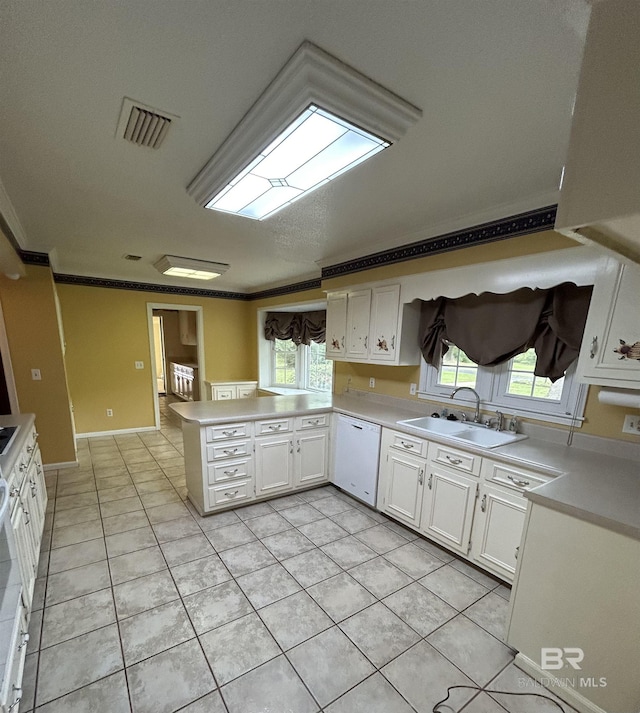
(356, 456)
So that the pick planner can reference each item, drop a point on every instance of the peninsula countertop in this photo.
(587, 484)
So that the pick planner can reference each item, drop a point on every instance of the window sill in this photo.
(283, 390)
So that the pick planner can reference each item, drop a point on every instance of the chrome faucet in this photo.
(476, 416)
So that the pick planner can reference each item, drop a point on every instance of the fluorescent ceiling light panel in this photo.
(316, 120)
(175, 266)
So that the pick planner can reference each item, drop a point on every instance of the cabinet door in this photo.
(358, 313)
(447, 511)
(311, 457)
(274, 464)
(497, 530)
(336, 325)
(27, 555)
(610, 353)
(402, 477)
(383, 334)
(35, 500)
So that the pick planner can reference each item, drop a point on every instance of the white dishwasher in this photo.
(356, 456)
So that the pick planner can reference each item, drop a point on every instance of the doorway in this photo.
(176, 345)
(8, 393)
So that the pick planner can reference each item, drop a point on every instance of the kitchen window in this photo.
(511, 387)
(300, 367)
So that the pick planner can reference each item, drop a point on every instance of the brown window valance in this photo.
(491, 328)
(299, 327)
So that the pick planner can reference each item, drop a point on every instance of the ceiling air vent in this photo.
(143, 125)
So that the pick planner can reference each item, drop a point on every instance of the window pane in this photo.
(457, 369)
(522, 382)
(284, 362)
(319, 369)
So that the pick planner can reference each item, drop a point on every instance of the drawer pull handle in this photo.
(30, 449)
(406, 445)
(17, 700)
(23, 467)
(430, 483)
(231, 472)
(233, 494)
(594, 347)
(314, 422)
(25, 640)
(517, 551)
(483, 503)
(275, 426)
(455, 461)
(420, 476)
(230, 451)
(519, 483)
(230, 433)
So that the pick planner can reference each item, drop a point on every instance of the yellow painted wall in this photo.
(29, 309)
(106, 332)
(600, 420)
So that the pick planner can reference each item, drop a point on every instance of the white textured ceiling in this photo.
(495, 80)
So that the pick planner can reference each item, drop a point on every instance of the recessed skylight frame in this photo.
(176, 266)
(315, 81)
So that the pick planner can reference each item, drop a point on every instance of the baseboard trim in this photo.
(118, 432)
(567, 694)
(60, 466)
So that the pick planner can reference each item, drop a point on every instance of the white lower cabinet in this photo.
(472, 505)
(234, 463)
(311, 457)
(274, 464)
(498, 529)
(447, 508)
(12, 692)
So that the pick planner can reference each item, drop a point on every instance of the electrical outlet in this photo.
(413, 388)
(631, 424)
(139, 365)
(109, 412)
(36, 375)
(372, 383)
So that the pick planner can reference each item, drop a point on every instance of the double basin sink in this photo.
(472, 433)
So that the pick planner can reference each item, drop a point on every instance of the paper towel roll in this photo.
(620, 397)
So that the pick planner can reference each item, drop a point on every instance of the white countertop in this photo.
(589, 485)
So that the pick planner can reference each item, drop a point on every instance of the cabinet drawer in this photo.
(229, 430)
(280, 425)
(513, 478)
(246, 392)
(453, 458)
(224, 394)
(234, 449)
(229, 470)
(230, 493)
(409, 444)
(318, 421)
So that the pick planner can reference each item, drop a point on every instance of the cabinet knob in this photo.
(594, 347)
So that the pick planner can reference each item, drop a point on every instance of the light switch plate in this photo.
(631, 424)
(139, 365)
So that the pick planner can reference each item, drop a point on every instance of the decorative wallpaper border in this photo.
(29, 257)
(313, 284)
(146, 287)
(532, 221)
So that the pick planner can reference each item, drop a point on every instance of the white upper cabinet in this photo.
(599, 199)
(371, 325)
(610, 353)
(336, 324)
(385, 302)
(358, 313)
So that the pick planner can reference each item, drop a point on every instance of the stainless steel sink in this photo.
(465, 432)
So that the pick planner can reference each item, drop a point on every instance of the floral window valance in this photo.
(299, 327)
(492, 328)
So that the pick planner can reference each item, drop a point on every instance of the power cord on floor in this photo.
(437, 709)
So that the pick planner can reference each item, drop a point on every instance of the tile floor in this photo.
(311, 602)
